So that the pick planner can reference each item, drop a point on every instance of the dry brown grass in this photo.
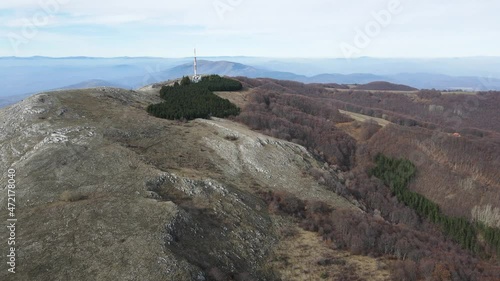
(362, 118)
(239, 98)
(460, 93)
(487, 214)
(72, 196)
(304, 256)
(358, 130)
(351, 129)
(352, 87)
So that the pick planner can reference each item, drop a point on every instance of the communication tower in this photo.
(196, 78)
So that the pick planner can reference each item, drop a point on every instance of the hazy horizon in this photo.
(316, 29)
(243, 56)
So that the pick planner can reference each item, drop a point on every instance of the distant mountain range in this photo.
(228, 68)
(24, 76)
(415, 80)
(92, 84)
(5, 101)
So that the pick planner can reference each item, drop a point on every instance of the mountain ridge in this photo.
(215, 200)
(173, 200)
(134, 73)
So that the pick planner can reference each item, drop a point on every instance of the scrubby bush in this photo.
(368, 129)
(301, 119)
(416, 251)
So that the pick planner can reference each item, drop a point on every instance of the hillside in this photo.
(227, 68)
(384, 86)
(283, 191)
(454, 139)
(44, 73)
(93, 83)
(153, 199)
(455, 173)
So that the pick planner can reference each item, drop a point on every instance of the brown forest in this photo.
(453, 140)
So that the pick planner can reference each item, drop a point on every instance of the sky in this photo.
(285, 29)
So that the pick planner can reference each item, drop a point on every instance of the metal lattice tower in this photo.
(196, 77)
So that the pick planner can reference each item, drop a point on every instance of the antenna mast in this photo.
(196, 77)
(195, 64)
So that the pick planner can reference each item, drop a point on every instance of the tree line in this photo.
(397, 174)
(196, 100)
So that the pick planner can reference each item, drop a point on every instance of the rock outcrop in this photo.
(107, 192)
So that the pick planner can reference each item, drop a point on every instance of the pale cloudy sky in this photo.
(313, 28)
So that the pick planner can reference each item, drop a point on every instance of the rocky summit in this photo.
(105, 191)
